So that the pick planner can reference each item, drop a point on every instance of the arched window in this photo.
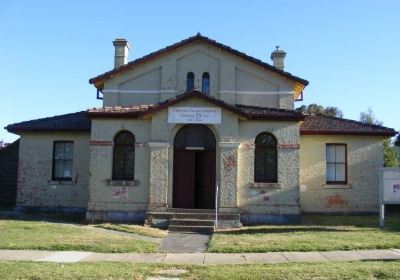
(190, 81)
(124, 156)
(265, 159)
(205, 83)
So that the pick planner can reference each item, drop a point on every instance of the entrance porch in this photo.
(194, 179)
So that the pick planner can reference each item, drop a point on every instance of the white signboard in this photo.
(391, 186)
(389, 182)
(205, 115)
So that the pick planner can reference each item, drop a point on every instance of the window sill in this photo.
(62, 182)
(337, 186)
(122, 183)
(266, 185)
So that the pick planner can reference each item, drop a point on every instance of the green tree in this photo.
(315, 109)
(389, 152)
(333, 112)
(369, 117)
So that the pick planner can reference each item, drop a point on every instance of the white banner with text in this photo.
(204, 115)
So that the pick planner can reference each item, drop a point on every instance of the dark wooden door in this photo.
(205, 180)
(194, 168)
(184, 179)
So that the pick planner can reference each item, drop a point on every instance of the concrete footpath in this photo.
(198, 258)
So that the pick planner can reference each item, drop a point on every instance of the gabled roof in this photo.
(68, 122)
(320, 125)
(247, 112)
(99, 80)
(312, 125)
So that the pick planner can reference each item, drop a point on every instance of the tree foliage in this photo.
(389, 153)
(369, 117)
(315, 109)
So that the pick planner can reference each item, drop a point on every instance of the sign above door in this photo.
(204, 115)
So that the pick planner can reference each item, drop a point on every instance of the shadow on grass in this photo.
(325, 223)
(392, 221)
(285, 229)
(41, 217)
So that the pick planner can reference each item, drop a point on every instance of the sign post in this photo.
(389, 190)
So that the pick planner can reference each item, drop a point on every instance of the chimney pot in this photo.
(278, 58)
(121, 52)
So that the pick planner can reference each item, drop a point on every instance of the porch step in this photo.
(202, 229)
(198, 220)
(184, 210)
(198, 216)
(191, 222)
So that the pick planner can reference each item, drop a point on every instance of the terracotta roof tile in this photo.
(68, 122)
(198, 37)
(257, 112)
(133, 109)
(319, 125)
(312, 125)
(248, 112)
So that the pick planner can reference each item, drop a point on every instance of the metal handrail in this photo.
(216, 207)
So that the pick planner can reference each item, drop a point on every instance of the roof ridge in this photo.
(46, 118)
(189, 40)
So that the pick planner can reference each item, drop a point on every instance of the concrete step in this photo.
(202, 229)
(197, 216)
(191, 222)
(184, 210)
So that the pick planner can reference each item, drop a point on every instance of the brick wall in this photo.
(281, 198)
(9, 173)
(360, 194)
(35, 185)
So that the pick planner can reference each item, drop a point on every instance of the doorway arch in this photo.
(194, 167)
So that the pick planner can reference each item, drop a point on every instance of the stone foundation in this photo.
(254, 219)
(115, 216)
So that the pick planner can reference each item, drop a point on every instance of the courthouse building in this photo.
(191, 127)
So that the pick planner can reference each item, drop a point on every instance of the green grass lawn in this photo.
(142, 230)
(316, 233)
(337, 270)
(45, 236)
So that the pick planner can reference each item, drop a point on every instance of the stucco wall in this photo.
(364, 156)
(35, 185)
(232, 79)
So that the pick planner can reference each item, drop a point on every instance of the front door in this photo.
(194, 168)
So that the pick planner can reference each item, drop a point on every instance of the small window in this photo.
(190, 81)
(336, 163)
(265, 159)
(62, 160)
(206, 83)
(124, 156)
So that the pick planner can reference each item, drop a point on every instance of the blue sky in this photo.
(348, 50)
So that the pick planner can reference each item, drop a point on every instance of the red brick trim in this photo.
(101, 143)
(288, 146)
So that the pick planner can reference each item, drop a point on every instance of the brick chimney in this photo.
(278, 58)
(121, 52)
